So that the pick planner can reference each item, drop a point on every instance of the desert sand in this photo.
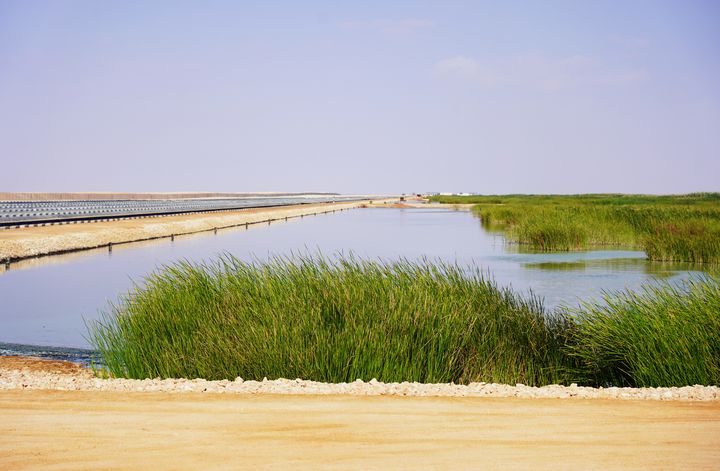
(99, 430)
(95, 429)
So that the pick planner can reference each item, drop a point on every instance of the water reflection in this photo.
(45, 300)
(656, 269)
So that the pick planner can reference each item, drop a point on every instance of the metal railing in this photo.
(24, 213)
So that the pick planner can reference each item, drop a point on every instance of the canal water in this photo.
(46, 301)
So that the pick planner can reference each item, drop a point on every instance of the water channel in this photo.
(46, 301)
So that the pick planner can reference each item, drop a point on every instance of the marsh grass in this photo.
(690, 240)
(340, 320)
(308, 317)
(668, 228)
(664, 335)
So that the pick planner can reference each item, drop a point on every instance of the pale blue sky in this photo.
(493, 97)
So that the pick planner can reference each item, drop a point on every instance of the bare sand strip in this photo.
(108, 430)
(27, 242)
(88, 428)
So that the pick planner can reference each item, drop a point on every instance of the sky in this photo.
(360, 97)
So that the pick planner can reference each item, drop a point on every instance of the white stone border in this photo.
(25, 379)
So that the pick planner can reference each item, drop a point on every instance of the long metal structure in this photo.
(24, 213)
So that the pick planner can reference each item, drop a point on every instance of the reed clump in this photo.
(692, 241)
(307, 317)
(340, 320)
(663, 335)
(668, 228)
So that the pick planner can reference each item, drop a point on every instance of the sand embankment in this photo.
(26, 242)
(93, 429)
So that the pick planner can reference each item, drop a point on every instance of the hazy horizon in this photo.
(561, 97)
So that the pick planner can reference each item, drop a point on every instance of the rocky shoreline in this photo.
(29, 373)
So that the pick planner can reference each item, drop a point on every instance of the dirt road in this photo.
(98, 430)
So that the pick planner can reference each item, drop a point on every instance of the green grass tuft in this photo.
(337, 321)
(682, 228)
(329, 321)
(664, 335)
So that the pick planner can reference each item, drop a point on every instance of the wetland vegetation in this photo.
(343, 319)
(329, 321)
(682, 228)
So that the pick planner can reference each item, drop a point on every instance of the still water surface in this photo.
(45, 301)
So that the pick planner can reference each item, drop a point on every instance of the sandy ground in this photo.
(26, 242)
(101, 430)
(38, 365)
(95, 429)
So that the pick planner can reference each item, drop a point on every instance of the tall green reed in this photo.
(668, 228)
(343, 319)
(327, 320)
(664, 335)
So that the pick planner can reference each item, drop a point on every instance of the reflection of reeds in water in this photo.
(657, 269)
(346, 319)
(557, 266)
(668, 228)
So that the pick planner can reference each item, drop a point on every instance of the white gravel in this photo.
(85, 381)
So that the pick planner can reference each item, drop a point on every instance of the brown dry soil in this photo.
(89, 430)
(38, 364)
